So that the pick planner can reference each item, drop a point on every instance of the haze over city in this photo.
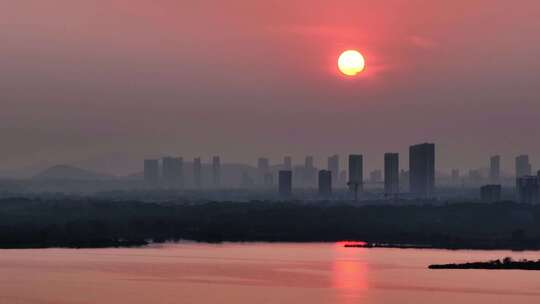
(268, 151)
(103, 84)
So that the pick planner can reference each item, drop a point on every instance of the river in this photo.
(258, 273)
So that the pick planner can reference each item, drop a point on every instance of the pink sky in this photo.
(242, 78)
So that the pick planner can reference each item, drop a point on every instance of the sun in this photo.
(351, 63)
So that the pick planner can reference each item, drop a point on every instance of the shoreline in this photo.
(47, 223)
(347, 244)
(438, 247)
(502, 264)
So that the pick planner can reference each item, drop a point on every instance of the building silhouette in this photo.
(285, 182)
(151, 171)
(422, 169)
(246, 180)
(172, 172)
(333, 166)
(523, 166)
(263, 168)
(268, 181)
(309, 172)
(404, 180)
(343, 177)
(475, 177)
(391, 174)
(490, 193)
(356, 173)
(325, 182)
(528, 189)
(216, 171)
(287, 163)
(197, 173)
(495, 169)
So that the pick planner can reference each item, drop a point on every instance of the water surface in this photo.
(258, 273)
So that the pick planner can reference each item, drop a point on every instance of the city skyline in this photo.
(269, 151)
(490, 170)
(420, 181)
(127, 83)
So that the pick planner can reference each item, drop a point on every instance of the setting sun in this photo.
(351, 63)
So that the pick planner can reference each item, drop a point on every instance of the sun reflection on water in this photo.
(349, 273)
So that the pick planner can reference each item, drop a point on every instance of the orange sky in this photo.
(91, 79)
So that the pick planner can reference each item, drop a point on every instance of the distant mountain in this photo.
(24, 172)
(231, 174)
(65, 172)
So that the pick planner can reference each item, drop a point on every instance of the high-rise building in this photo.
(309, 172)
(285, 182)
(404, 180)
(494, 169)
(356, 172)
(422, 169)
(343, 177)
(151, 171)
(333, 166)
(325, 182)
(523, 167)
(391, 174)
(490, 193)
(263, 168)
(528, 189)
(172, 172)
(197, 172)
(287, 163)
(298, 175)
(247, 181)
(216, 171)
(268, 181)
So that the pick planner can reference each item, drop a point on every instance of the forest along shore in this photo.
(89, 222)
(506, 263)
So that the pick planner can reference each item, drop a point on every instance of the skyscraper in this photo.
(523, 167)
(475, 177)
(309, 172)
(247, 181)
(391, 174)
(404, 180)
(495, 169)
(528, 189)
(287, 163)
(343, 177)
(172, 172)
(268, 181)
(333, 166)
(356, 172)
(151, 171)
(490, 193)
(285, 182)
(263, 168)
(216, 171)
(422, 169)
(197, 172)
(325, 182)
